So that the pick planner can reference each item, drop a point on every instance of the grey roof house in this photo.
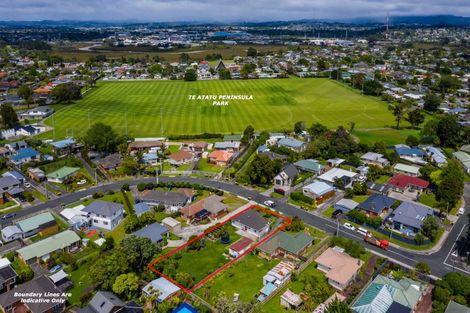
(252, 222)
(408, 218)
(105, 215)
(286, 177)
(155, 232)
(376, 204)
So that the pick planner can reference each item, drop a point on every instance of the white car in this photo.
(27, 185)
(461, 211)
(81, 182)
(269, 203)
(349, 226)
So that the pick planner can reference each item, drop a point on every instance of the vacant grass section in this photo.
(276, 105)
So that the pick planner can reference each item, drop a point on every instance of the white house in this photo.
(106, 215)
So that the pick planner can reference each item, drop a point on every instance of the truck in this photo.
(381, 243)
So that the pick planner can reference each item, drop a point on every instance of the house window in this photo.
(105, 223)
(95, 221)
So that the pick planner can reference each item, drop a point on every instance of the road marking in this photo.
(455, 243)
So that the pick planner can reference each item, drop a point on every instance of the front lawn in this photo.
(428, 199)
(204, 166)
(328, 212)
(233, 202)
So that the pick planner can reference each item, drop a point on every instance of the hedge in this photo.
(299, 196)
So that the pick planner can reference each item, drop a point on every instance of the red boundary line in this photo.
(286, 223)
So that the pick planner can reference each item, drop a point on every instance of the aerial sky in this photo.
(222, 10)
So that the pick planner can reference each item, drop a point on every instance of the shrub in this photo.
(125, 187)
(98, 195)
(299, 196)
(141, 187)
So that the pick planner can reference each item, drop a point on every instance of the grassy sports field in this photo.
(155, 108)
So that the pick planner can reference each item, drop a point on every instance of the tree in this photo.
(131, 223)
(8, 115)
(449, 83)
(299, 127)
(317, 130)
(129, 166)
(419, 238)
(338, 307)
(248, 135)
(399, 110)
(190, 75)
(262, 170)
(138, 251)
(126, 284)
(373, 87)
(412, 141)
(186, 279)
(430, 228)
(107, 268)
(451, 184)
(67, 92)
(449, 131)
(247, 69)
(251, 52)
(423, 267)
(431, 101)
(296, 225)
(225, 74)
(25, 92)
(415, 117)
(102, 138)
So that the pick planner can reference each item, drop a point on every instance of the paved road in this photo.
(435, 260)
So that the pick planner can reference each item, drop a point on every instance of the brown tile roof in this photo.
(220, 155)
(342, 266)
(181, 155)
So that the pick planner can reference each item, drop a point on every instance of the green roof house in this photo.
(62, 174)
(34, 224)
(384, 295)
(64, 241)
(454, 307)
(464, 159)
(286, 245)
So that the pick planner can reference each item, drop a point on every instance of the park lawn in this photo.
(204, 166)
(276, 104)
(244, 277)
(390, 136)
(200, 263)
(274, 304)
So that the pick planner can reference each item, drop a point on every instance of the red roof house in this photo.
(404, 181)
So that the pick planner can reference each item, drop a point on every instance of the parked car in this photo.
(81, 182)
(8, 216)
(269, 203)
(27, 185)
(336, 213)
(55, 269)
(349, 226)
(461, 211)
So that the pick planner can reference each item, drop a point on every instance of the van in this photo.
(362, 231)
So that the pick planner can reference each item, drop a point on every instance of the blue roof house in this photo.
(376, 204)
(293, 144)
(24, 155)
(408, 218)
(154, 232)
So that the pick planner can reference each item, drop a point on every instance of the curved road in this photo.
(435, 260)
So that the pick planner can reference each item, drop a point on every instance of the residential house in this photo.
(65, 241)
(292, 144)
(454, 307)
(7, 275)
(240, 247)
(5, 152)
(335, 162)
(197, 147)
(233, 138)
(340, 268)
(463, 159)
(61, 280)
(108, 302)
(319, 191)
(378, 188)
(373, 158)
(376, 204)
(180, 157)
(345, 205)
(63, 175)
(17, 145)
(10, 302)
(43, 224)
(173, 201)
(140, 208)
(385, 294)
(143, 145)
(406, 169)
(414, 155)
(230, 146)
(408, 217)
(338, 175)
(109, 162)
(310, 165)
(211, 206)
(290, 300)
(15, 174)
(402, 183)
(65, 146)
(36, 174)
(150, 159)
(284, 245)
(252, 222)
(24, 155)
(105, 215)
(162, 287)
(286, 177)
(9, 187)
(37, 113)
(437, 155)
(155, 232)
(10, 233)
(220, 157)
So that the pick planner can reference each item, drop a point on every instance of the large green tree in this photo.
(67, 92)
(126, 284)
(138, 251)
(102, 138)
(190, 75)
(451, 184)
(432, 101)
(262, 170)
(399, 110)
(338, 307)
(9, 117)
